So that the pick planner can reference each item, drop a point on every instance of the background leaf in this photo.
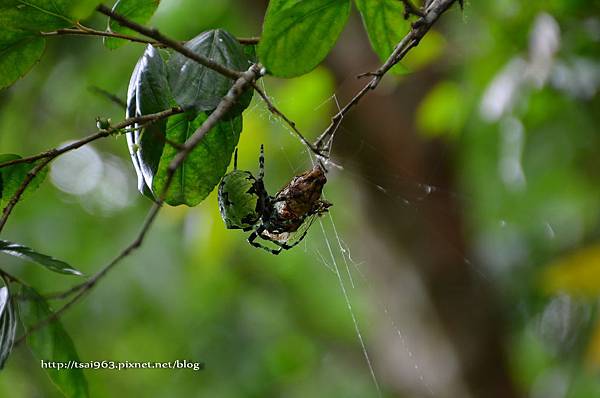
(51, 343)
(44, 15)
(199, 88)
(577, 273)
(385, 25)
(139, 11)
(203, 168)
(19, 50)
(18, 250)
(8, 324)
(298, 35)
(442, 111)
(11, 178)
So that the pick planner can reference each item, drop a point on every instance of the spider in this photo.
(283, 219)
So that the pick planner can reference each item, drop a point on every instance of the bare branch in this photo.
(412, 39)
(109, 96)
(82, 30)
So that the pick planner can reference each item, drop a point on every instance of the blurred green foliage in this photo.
(517, 103)
(521, 109)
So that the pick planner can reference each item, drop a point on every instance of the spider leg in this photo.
(261, 163)
(258, 233)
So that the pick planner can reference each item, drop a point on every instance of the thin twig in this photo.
(239, 87)
(101, 33)
(175, 45)
(87, 31)
(274, 110)
(51, 154)
(54, 152)
(412, 39)
(117, 100)
(109, 96)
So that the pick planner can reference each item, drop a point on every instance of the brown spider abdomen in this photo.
(301, 197)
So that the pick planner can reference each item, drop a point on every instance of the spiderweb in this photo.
(334, 256)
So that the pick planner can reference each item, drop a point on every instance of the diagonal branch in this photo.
(275, 111)
(412, 39)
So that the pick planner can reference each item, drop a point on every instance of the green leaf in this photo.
(19, 51)
(11, 178)
(139, 11)
(205, 165)
(386, 26)
(199, 88)
(298, 34)
(51, 343)
(8, 324)
(44, 15)
(148, 93)
(18, 250)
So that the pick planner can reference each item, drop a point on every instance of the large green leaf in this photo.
(148, 93)
(44, 15)
(206, 164)
(199, 88)
(18, 250)
(386, 26)
(139, 11)
(51, 343)
(11, 178)
(298, 34)
(8, 323)
(196, 87)
(19, 51)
